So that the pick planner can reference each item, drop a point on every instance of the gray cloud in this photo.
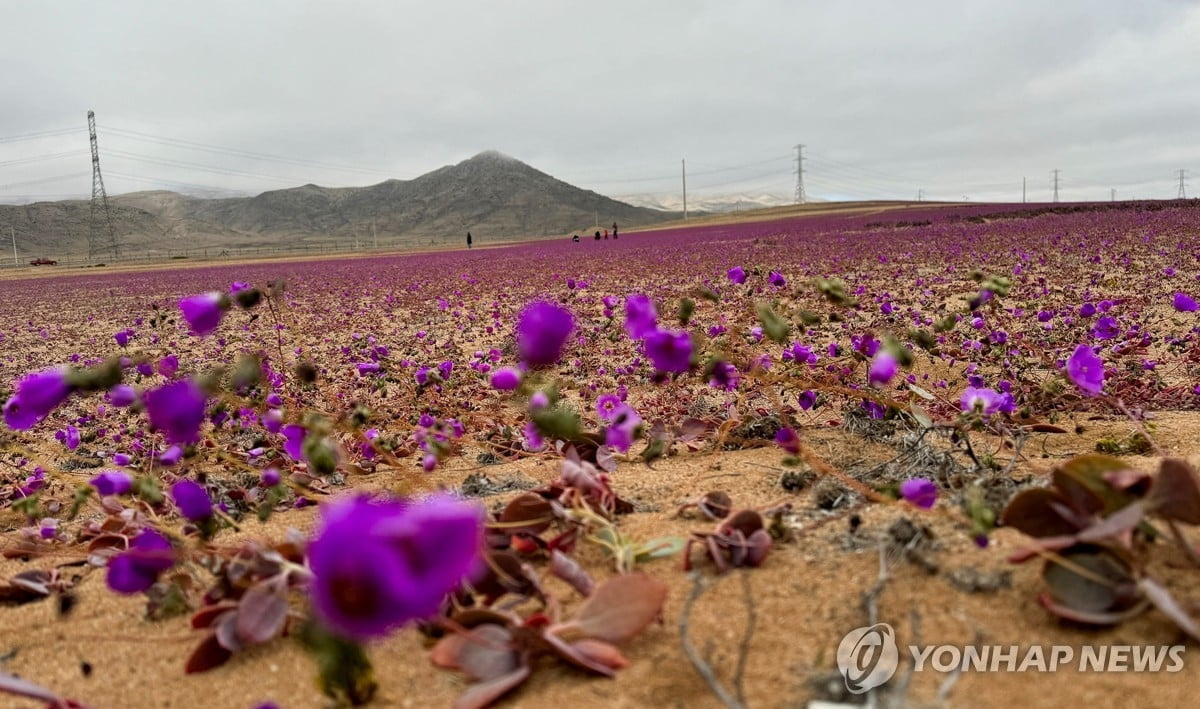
(951, 98)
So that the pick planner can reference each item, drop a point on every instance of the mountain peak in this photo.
(492, 156)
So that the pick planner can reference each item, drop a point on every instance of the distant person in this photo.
(575, 238)
(606, 234)
(597, 235)
(468, 239)
(614, 231)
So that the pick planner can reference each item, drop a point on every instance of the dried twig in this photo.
(699, 586)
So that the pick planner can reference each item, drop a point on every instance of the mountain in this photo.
(491, 195)
(720, 203)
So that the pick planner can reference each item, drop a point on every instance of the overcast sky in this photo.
(952, 98)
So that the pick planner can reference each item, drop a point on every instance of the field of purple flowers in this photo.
(530, 462)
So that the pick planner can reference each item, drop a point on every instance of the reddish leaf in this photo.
(601, 652)
(527, 507)
(207, 655)
(225, 630)
(1115, 525)
(1166, 603)
(1046, 428)
(568, 651)
(205, 617)
(1032, 512)
(481, 694)
(25, 688)
(1175, 494)
(570, 571)
(1088, 617)
(620, 608)
(485, 654)
(261, 614)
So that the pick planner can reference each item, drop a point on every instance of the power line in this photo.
(1055, 171)
(206, 147)
(166, 162)
(43, 158)
(42, 180)
(40, 134)
(1182, 185)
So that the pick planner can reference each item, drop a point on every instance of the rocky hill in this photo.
(491, 195)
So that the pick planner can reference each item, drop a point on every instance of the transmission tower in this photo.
(1056, 171)
(1182, 185)
(800, 198)
(99, 200)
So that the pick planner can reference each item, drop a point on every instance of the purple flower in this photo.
(641, 318)
(167, 366)
(920, 492)
(112, 482)
(669, 351)
(607, 406)
(171, 456)
(623, 429)
(724, 376)
(294, 441)
(407, 556)
(1087, 310)
(122, 395)
(203, 312)
(177, 409)
(121, 459)
(736, 275)
(787, 439)
(776, 279)
(506, 379)
(542, 330)
(273, 420)
(71, 439)
(271, 477)
(123, 336)
(1106, 328)
(192, 500)
(137, 568)
(1184, 303)
(1086, 370)
(807, 399)
(882, 369)
(35, 396)
(365, 368)
(982, 401)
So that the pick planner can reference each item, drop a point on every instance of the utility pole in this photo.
(374, 236)
(800, 196)
(99, 199)
(1114, 194)
(920, 195)
(1182, 185)
(1022, 190)
(683, 167)
(12, 232)
(1056, 171)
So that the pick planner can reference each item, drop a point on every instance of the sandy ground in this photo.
(806, 596)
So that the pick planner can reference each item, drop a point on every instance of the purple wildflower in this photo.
(122, 395)
(506, 379)
(542, 330)
(35, 396)
(177, 409)
(408, 556)
(776, 279)
(736, 275)
(807, 399)
(1184, 303)
(294, 441)
(203, 312)
(623, 429)
(669, 351)
(137, 569)
(1086, 370)
(192, 500)
(112, 482)
(882, 369)
(982, 401)
(787, 439)
(641, 318)
(920, 492)
(1106, 328)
